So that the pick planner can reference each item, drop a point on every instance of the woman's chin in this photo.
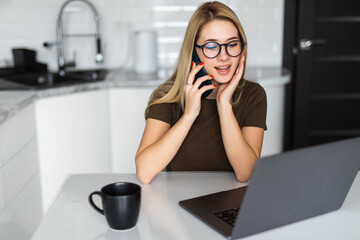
(222, 79)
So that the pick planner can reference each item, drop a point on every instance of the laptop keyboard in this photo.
(228, 215)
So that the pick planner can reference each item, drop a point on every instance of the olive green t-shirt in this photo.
(203, 149)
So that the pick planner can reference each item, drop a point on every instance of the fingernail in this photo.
(214, 85)
(193, 63)
(211, 76)
(202, 63)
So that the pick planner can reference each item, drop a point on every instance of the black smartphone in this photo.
(201, 73)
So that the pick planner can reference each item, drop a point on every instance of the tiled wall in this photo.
(30, 23)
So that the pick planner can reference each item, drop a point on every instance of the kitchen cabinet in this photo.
(20, 189)
(73, 137)
(127, 122)
(89, 132)
(273, 136)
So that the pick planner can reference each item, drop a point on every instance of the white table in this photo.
(71, 216)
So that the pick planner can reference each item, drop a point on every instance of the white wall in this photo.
(26, 23)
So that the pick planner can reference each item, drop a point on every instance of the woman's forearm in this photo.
(155, 157)
(241, 155)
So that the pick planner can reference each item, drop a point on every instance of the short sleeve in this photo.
(162, 112)
(255, 115)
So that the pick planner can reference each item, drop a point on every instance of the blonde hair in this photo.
(172, 90)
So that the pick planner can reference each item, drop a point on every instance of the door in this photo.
(325, 95)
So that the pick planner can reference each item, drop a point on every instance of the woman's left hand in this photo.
(226, 90)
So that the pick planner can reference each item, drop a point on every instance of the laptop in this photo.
(283, 189)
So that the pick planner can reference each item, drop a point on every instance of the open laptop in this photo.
(283, 189)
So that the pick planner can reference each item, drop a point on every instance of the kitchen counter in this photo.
(13, 101)
(161, 217)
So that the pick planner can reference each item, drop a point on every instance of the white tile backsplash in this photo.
(30, 23)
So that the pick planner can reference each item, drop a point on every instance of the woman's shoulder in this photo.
(253, 90)
(250, 93)
(165, 105)
(253, 86)
(167, 112)
(252, 107)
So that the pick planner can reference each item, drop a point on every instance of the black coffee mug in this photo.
(121, 204)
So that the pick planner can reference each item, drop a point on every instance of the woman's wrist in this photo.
(224, 106)
(189, 118)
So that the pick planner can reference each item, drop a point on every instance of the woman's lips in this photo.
(223, 70)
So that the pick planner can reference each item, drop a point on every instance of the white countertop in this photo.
(13, 101)
(71, 216)
(268, 76)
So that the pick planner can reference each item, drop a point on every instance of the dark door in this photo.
(324, 99)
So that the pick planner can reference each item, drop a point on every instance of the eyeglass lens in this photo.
(212, 49)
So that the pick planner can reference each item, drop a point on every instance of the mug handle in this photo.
(92, 202)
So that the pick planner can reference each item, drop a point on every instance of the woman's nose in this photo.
(223, 54)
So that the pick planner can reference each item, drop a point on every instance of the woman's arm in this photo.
(160, 142)
(159, 145)
(242, 146)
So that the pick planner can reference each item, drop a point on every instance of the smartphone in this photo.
(201, 73)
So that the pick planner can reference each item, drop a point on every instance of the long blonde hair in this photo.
(172, 90)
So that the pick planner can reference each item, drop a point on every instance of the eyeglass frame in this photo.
(243, 44)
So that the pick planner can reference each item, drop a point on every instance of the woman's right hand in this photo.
(192, 91)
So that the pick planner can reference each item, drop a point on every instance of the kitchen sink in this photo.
(42, 80)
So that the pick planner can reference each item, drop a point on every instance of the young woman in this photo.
(221, 132)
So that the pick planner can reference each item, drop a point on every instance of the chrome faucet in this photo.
(99, 58)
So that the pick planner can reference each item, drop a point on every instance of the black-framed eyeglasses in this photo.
(213, 49)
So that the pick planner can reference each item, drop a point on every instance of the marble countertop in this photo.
(12, 101)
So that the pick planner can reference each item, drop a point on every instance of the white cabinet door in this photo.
(16, 132)
(73, 137)
(20, 191)
(23, 215)
(127, 122)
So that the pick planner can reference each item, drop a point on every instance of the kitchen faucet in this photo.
(99, 58)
